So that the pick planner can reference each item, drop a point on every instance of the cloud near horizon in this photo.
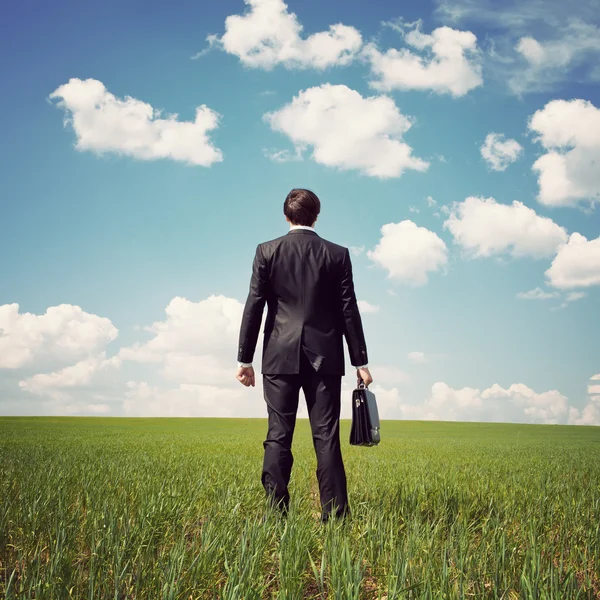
(190, 356)
(516, 404)
(63, 333)
(58, 384)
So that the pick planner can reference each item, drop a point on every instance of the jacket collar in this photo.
(305, 231)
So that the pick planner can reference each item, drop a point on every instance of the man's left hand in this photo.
(245, 375)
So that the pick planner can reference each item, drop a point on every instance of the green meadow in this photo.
(173, 509)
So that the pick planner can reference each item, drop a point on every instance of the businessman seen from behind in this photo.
(306, 283)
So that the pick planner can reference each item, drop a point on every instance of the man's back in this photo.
(306, 282)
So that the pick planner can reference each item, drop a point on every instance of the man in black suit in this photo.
(306, 282)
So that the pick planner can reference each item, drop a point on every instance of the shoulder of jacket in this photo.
(335, 248)
(269, 245)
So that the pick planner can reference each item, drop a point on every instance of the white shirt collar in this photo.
(302, 227)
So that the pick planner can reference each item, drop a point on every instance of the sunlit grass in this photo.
(174, 508)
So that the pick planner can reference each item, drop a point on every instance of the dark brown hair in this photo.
(301, 207)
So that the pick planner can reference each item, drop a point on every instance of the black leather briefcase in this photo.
(365, 417)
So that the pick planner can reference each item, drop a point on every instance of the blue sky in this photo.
(128, 236)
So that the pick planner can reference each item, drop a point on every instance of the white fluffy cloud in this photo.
(268, 35)
(348, 131)
(58, 383)
(191, 400)
(409, 252)
(367, 307)
(544, 407)
(577, 263)
(518, 403)
(63, 333)
(193, 347)
(104, 123)
(499, 152)
(590, 413)
(193, 344)
(445, 61)
(569, 131)
(191, 350)
(483, 227)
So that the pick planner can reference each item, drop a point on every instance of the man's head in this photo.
(301, 207)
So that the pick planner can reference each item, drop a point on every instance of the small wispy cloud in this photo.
(417, 357)
(540, 43)
(367, 307)
(213, 42)
(537, 294)
(570, 297)
(283, 156)
(357, 250)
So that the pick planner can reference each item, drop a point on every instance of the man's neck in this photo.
(309, 227)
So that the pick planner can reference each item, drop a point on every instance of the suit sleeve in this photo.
(253, 310)
(353, 329)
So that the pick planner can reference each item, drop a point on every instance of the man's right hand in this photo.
(245, 375)
(365, 375)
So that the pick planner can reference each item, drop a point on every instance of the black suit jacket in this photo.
(306, 282)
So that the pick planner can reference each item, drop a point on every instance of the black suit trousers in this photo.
(323, 400)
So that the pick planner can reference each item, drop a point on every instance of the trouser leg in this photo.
(281, 395)
(323, 400)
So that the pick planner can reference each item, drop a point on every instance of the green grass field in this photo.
(173, 508)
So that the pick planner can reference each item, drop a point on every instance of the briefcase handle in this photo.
(360, 384)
